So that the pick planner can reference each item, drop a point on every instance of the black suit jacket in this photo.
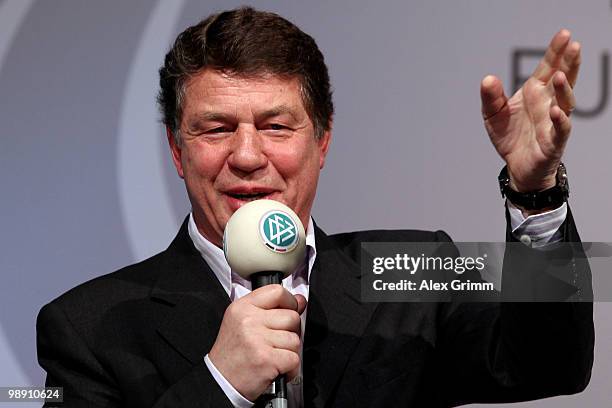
(137, 337)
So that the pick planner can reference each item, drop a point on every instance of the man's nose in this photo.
(247, 153)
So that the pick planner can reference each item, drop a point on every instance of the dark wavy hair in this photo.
(246, 42)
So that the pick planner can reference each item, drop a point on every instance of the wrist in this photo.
(535, 201)
(544, 184)
(235, 397)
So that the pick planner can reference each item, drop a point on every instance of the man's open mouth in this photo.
(249, 196)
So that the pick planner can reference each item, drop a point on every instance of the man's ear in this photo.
(324, 143)
(176, 152)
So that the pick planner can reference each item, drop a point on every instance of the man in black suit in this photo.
(246, 100)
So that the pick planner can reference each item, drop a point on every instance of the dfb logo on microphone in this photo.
(278, 231)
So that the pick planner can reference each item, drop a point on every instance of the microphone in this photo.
(264, 241)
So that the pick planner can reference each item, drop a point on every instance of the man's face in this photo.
(244, 139)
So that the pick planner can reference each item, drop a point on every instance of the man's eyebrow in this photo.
(212, 116)
(277, 111)
(199, 120)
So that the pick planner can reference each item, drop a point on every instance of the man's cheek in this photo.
(288, 163)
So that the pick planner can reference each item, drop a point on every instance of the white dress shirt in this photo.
(535, 230)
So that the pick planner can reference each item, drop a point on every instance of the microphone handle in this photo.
(278, 396)
(264, 278)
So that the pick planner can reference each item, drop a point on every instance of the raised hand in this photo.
(530, 130)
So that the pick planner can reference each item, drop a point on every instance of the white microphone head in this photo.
(264, 235)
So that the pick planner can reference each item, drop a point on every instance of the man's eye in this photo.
(221, 129)
(276, 126)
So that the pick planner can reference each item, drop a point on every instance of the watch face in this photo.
(504, 181)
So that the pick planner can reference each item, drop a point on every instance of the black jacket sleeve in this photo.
(517, 351)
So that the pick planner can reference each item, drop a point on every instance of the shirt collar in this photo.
(215, 258)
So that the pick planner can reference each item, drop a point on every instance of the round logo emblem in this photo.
(278, 231)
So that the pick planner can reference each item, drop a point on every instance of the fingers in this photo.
(272, 297)
(554, 56)
(301, 301)
(562, 126)
(564, 93)
(285, 340)
(282, 319)
(492, 96)
(571, 62)
(286, 362)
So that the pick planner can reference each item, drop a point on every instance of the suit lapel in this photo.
(193, 301)
(335, 321)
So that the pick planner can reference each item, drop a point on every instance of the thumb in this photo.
(302, 302)
(492, 96)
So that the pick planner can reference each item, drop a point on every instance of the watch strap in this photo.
(536, 200)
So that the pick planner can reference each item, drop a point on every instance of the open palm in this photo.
(530, 129)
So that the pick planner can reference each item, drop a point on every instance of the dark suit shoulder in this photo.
(91, 298)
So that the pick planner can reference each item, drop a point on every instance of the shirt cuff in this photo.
(234, 396)
(540, 229)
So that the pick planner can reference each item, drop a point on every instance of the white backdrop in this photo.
(88, 187)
